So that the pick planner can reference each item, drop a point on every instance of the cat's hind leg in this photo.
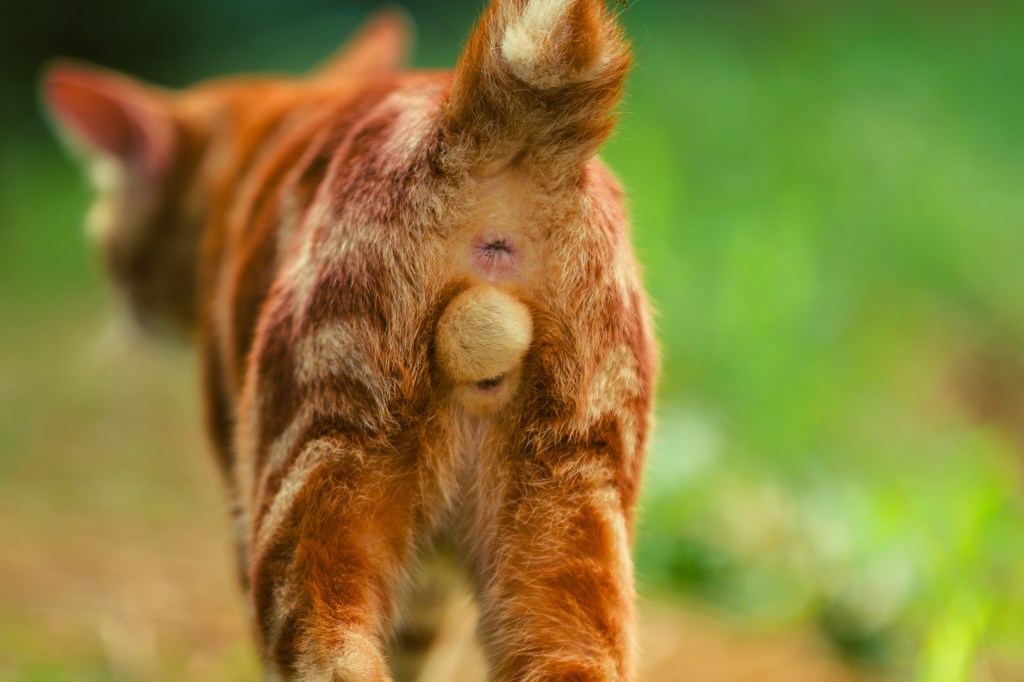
(556, 585)
(328, 559)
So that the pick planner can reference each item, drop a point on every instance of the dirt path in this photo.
(144, 606)
(115, 562)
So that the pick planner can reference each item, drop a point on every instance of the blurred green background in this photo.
(828, 199)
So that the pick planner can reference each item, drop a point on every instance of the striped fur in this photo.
(310, 236)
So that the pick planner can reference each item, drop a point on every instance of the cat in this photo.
(420, 323)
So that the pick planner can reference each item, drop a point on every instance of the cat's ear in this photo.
(108, 114)
(380, 46)
(538, 83)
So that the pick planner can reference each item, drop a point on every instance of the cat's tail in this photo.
(538, 83)
(483, 335)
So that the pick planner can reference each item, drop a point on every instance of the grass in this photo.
(827, 202)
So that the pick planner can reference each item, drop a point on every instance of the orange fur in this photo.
(326, 242)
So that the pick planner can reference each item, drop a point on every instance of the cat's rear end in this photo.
(420, 322)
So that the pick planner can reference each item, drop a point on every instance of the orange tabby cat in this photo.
(420, 321)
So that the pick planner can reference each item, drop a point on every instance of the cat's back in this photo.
(312, 182)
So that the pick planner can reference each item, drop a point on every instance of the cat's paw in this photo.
(359, 660)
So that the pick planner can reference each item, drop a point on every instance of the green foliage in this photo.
(825, 202)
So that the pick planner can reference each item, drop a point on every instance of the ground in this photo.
(116, 559)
